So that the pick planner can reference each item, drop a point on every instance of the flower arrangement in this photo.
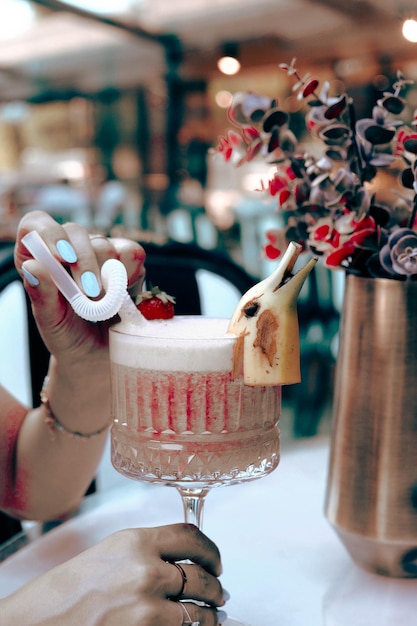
(325, 201)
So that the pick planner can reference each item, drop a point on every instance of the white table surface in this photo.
(283, 563)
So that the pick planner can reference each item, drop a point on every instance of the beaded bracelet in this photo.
(54, 424)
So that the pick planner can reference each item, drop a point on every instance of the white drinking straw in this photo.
(113, 275)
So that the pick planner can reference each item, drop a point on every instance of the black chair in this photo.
(174, 267)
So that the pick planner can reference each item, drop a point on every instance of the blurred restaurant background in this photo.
(110, 109)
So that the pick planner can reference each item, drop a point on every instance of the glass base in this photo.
(233, 622)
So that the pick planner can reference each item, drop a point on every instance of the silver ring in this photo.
(188, 621)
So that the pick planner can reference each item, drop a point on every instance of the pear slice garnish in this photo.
(267, 351)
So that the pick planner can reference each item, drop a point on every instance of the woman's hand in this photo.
(65, 334)
(57, 470)
(128, 579)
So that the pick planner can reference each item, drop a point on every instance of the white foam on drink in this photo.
(183, 344)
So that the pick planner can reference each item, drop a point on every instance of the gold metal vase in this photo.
(371, 497)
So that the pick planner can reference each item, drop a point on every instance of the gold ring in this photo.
(97, 236)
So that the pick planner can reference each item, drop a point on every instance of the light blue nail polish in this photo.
(221, 616)
(90, 285)
(226, 595)
(66, 251)
(30, 278)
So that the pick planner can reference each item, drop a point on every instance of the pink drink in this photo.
(178, 414)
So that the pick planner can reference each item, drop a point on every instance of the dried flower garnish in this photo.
(325, 200)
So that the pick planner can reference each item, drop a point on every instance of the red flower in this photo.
(227, 143)
(362, 229)
(276, 184)
(240, 147)
(271, 252)
(271, 249)
(406, 142)
(336, 258)
(321, 233)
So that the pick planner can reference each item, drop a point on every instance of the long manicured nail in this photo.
(226, 595)
(66, 251)
(30, 278)
(90, 284)
(221, 617)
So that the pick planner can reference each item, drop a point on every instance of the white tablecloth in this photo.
(283, 563)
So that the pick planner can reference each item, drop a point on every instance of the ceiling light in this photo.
(410, 30)
(228, 63)
(223, 99)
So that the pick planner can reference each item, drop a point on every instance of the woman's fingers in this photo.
(82, 253)
(51, 232)
(86, 269)
(196, 584)
(178, 542)
(205, 616)
(133, 256)
(182, 613)
(48, 306)
(196, 581)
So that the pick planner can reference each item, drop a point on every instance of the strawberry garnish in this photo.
(155, 304)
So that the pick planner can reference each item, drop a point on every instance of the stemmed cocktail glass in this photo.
(181, 418)
(196, 406)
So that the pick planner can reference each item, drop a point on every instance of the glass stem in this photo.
(193, 503)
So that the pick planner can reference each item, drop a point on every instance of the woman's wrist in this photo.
(73, 407)
(55, 425)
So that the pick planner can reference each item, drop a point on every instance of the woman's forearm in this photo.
(54, 468)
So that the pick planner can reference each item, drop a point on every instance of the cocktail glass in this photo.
(181, 417)
(196, 401)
